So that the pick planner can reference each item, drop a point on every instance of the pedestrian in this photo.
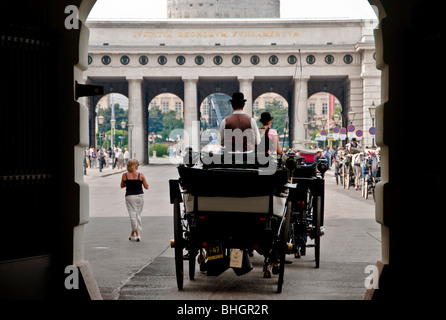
(87, 157)
(126, 157)
(102, 154)
(120, 159)
(134, 181)
(116, 152)
(327, 155)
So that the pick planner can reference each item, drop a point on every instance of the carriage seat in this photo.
(233, 190)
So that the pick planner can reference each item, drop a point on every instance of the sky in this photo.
(156, 9)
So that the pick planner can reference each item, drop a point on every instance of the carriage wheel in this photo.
(284, 235)
(349, 177)
(178, 236)
(317, 226)
(346, 178)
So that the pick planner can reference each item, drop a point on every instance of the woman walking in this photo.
(133, 181)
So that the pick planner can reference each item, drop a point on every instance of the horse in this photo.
(371, 171)
(357, 164)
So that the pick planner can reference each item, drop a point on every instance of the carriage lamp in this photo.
(291, 163)
(189, 158)
(101, 119)
(322, 166)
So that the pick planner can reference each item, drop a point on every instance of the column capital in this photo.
(303, 78)
(134, 78)
(194, 79)
(246, 79)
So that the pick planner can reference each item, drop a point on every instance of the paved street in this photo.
(145, 270)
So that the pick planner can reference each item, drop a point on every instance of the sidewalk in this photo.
(106, 171)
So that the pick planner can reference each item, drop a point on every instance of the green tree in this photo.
(120, 115)
(155, 120)
(170, 122)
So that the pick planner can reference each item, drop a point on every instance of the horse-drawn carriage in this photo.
(224, 210)
(359, 168)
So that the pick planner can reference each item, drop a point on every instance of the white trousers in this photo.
(134, 205)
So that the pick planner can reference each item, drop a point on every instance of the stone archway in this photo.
(339, 87)
(417, 25)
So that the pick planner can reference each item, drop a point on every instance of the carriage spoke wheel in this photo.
(317, 226)
(284, 235)
(178, 236)
(349, 177)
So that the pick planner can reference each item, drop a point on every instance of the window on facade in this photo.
(324, 108)
(165, 107)
(178, 109)
(312, 107)
(256, 106)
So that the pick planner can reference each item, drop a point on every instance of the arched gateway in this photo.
(195, 58)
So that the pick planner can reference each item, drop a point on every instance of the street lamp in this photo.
(324, 123)
(351, 116)
(131, 140)
(100, 122)
(336, 118)
(306, 124)
(372, 110)
(113, 122)
(123, 132)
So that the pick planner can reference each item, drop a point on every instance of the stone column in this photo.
(300, 112)
(136, 117)
(191, 123)
(246, 88)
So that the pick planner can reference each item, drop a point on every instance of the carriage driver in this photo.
(353, 146)
(239, 131)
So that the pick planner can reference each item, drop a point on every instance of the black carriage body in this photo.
(234, 207)
(245, 207)
(239, 230)
(307, 213)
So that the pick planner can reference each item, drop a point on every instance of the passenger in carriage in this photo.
(269, 136)
(239, 131)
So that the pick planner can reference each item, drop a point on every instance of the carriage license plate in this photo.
(236, 259)
(215, 251)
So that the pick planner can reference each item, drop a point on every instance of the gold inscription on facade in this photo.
(216, 34)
